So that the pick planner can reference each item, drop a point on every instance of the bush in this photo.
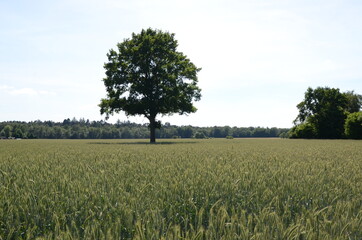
(353, 125)
(284, 135)
(229, 137)
(304, 130)
(199, 135)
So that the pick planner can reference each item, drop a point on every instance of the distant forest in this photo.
(85, 129)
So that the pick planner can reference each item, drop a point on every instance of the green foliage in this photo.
(323, 111)
(229, 137)
(284, 135)
(148, 76)
(85, 129)
(353, 125)
(19, 133)
(354, 102)
(303, 130)
(180, 189)
(200, 135)
(7, 131)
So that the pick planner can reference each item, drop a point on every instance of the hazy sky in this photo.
(258, 57)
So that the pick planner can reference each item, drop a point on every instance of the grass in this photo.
(181, 189)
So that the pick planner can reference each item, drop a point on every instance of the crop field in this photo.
(181, 189)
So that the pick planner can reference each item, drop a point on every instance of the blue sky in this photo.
(257, 57)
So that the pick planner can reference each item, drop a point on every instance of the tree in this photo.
(19, 133)
(353, 125)
(200, 135)
(185, 131)
(323, 111)
(7, 131)
(149, 77)
(354, 101)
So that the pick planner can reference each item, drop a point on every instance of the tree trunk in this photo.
(153, 130)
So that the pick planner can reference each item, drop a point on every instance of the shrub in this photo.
(284, 135)
(304, 130)
(199, 135)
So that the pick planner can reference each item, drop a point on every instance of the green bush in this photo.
(199, 135)
(284, 135)
(304, 130)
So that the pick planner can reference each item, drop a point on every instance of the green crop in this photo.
(181, 189)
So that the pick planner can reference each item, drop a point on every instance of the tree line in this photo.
(85, 129)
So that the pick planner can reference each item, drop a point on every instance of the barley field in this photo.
(181, 189)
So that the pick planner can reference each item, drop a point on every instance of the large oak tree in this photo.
(148, 76)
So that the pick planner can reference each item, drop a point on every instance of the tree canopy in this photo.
(353, 125)
(323, 112)
(148, 76)
(354, 101)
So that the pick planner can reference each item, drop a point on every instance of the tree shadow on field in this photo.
(142, 143)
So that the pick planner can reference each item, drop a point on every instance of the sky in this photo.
(258, 57)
